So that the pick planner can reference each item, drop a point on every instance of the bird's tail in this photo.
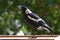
(45, 27)
(48, 29)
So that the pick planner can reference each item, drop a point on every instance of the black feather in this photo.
(34, 16)
(43, 24)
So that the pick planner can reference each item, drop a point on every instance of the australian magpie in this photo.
(34, 20)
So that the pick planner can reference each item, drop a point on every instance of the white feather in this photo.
(37, 20)
(32, 18)
(28, 11)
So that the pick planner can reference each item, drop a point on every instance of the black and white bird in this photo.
(34, 20)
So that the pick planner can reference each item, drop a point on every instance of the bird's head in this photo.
(22, 8)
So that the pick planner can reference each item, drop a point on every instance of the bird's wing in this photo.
(36, 18)
(46, 27)
(43, 23)
(33, 17)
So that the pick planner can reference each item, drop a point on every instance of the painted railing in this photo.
(28, 37)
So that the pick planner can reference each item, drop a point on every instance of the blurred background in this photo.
(12, 20)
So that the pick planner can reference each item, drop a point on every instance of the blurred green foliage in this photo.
(12, 20)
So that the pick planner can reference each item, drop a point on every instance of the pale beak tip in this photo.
(19, 7)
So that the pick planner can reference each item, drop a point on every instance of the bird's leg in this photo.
(51, 34)
(34, 37)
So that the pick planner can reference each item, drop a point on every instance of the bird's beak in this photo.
(19, 7)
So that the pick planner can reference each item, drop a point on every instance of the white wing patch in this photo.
(31, 18)
(28, 11)
(34, 19)
(39, 20)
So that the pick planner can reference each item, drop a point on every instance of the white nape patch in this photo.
(32, 18)
(28, 11)
(39, 28)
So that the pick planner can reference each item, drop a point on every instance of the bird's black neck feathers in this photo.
(24, 8)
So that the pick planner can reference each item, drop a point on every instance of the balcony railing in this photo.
(28, 37)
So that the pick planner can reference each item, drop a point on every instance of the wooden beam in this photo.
(28, 37)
